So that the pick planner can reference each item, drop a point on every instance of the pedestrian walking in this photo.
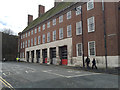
(87, 61)
(94, 63)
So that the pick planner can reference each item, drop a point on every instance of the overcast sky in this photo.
(14, 13)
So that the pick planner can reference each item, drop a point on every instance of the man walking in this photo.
(94, 63)
(87, 61)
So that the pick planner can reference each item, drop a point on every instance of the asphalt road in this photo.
(31, 75)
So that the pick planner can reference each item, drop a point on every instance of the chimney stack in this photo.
(56, 2)
(30, 19)
(41, 10)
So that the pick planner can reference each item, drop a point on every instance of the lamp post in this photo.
(82, 33)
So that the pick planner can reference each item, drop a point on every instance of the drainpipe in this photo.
(105, 44)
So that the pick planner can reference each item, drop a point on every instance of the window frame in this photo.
(69, 15)
(31, 32)
(61, 34)
(78, 12)
(94, 48)
(26, 35)
(77, 49)
(35, 30)
(31, 41)
(61, 19)
(35, 41)
(54, 22)
(79, 27)
(88, 24)
(43, 27)
(88, 3)
(39, 29)
(39, 39)
(48, 37)
(54, 35)
(69, 27)
(43, 38)
(28, 43)
(48, 24)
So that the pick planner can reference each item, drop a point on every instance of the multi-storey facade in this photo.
(71, 31)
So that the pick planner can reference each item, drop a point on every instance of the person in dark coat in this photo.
(94, 63)
(87, 61)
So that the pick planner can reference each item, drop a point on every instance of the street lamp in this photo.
(80, 9)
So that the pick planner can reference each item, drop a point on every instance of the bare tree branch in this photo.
(8, 31)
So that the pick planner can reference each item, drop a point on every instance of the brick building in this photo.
(8, 46)
(70, 31)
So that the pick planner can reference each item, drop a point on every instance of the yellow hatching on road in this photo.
(6, 83)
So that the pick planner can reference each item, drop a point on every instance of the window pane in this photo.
(79, 49)
(91, 24)
(90, 5)
(92, 48)
(69, 15)
(69, 31)
(60, 33)
(78, 10)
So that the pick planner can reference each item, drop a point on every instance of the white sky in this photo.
(14, 13)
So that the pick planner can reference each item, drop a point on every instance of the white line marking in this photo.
(54, 74)
(70, 76)
(70, 71)
(81, 75)
(4, 74)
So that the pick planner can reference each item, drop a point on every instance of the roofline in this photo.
(51, 16)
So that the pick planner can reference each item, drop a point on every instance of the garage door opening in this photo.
(53, 55)
(38, 55)
(32, 56)
(63, 55)
(44, 54)
(27, 56)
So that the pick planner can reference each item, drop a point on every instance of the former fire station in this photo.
(70, 31)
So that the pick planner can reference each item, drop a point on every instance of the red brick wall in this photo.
(97, 35)
(111, 28)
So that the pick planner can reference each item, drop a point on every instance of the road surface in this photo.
(32, 75)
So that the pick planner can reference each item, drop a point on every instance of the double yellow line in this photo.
(6, 83)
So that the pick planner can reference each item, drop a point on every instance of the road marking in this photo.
(54, 73)
(70, 71)
(82, 75)
(6, 83)
(70, 76)
(4, 74)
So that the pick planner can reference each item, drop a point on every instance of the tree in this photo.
(8, 31)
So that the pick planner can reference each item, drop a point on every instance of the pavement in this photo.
(21, 75)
